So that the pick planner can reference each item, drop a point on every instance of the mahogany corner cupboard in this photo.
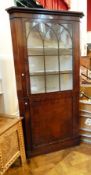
(46, 57)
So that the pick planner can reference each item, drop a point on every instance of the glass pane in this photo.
(36, 64)
(52, 83)
(65, 63)
(37, 84)
(51, 63)
(29, 26)
(66, 81)
(65, 36)
(34, 39)
(47, 44)
(68, 27)
(50, 40)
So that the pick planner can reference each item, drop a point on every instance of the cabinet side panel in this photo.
(21, 78)
(76, 55)
(19, 56)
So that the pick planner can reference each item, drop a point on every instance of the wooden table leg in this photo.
(21, 144)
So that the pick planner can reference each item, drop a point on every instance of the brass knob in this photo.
(26, 103)
(22, 74)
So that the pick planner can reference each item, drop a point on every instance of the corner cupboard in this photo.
(46, 57)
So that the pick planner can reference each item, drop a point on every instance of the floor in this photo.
(72, 161)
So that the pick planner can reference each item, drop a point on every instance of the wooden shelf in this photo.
(49, 51)
(50, 73)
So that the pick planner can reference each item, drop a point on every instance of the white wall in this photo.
(89, 37)
(78, 5)
(6, 61)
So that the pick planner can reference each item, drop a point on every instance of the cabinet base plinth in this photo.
(53, 147)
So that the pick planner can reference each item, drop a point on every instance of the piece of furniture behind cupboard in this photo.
(46, 56)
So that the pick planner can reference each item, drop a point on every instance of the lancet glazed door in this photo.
(48, 92)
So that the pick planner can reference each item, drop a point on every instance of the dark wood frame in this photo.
(65, 103)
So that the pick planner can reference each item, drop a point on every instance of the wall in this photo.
(6, 61)
(78, 5)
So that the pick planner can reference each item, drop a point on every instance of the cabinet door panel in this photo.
(50, 121)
